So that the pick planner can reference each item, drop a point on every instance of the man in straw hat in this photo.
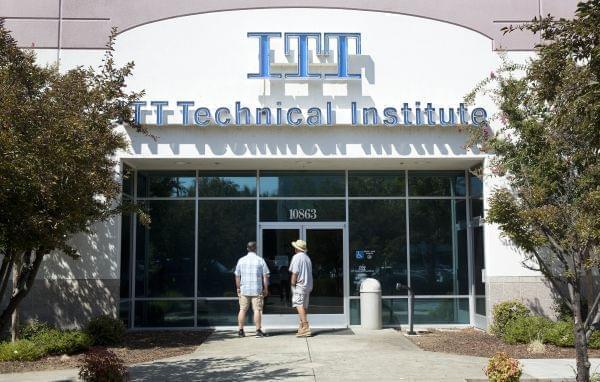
(252, 282)
(302, 283)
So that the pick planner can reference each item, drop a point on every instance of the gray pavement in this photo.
(354, 355)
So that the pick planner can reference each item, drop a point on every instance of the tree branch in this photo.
(592, 312)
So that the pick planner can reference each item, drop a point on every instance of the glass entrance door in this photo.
(325, 244)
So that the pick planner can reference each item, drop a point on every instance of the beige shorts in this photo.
(299, 299)
(257, 303)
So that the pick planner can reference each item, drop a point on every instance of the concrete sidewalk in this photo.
(328, 356)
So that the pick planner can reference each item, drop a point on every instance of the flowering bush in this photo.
(502, 368)
(102, 365)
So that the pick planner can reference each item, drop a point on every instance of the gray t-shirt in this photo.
(301, 265)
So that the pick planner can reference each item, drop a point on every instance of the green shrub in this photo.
(63, 342)
(523, 330)
(21, 350)
(505, 312)
(594, 342)
(102, 365)
(33, 328)
(502, 368)
(561, 334)
(105, 330)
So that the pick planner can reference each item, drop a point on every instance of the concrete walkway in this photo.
(353, 355)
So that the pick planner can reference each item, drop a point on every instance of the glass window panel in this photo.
(277, 252)
(326, 250)
(436, 183)
(476, 186)
(220, 313)
(127, 180)
(355, 312)
(172, 184)
(126, 239)
(231, 184)
(162, 314)
(441, 311)
(224, 229)
(302, 183)
(165, 250)
(378, 243)
(438, 247)
(302, 210)
(477, 210)
(124, 307)
(376, 183)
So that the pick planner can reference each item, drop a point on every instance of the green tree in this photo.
(547, 147)
(58, 141)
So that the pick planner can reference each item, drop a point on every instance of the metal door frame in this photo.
(316, 320)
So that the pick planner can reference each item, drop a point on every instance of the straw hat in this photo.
(299, 245)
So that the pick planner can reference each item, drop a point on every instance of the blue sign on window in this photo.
(360, 255)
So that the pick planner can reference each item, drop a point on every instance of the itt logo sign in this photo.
(323, 41)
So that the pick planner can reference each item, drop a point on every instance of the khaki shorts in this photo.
(299, 299)
(257, 303)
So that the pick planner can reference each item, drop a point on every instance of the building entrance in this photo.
(326, 248)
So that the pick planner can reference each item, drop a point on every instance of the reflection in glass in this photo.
(479, 265)
(438, 247)
(476, 186)
(230, 183)
(436, 183)
(124, 307)
(164, 313)
(224, 229)
(376, 183)
(302, 183)
(378, 243)
(302, 210)
(277, 252)
(219, 313)
(173, 184)
(325, 249)
(165, 250)
(441, 311)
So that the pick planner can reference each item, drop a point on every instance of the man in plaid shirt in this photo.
(252, 283)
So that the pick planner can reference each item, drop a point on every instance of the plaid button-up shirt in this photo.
(251, 269)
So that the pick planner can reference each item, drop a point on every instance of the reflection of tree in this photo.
(167, 184)
(373, 183)
(380, 225)
(227, 185)
(432, 184)
(304, 183)
(224, 228)
(165, 251)
(431, 225)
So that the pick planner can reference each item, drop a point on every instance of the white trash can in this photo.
(370, 304)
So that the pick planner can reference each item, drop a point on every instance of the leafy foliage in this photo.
(523, 330)
(59, 133)
(505, 312)
(105, 330)
(56, 341)
(547, 146)
(502, 368)
(21, 350)
(33, 328)
(102, 365)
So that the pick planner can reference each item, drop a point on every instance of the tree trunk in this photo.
(22, 288)
(581, 342)
(14, 323)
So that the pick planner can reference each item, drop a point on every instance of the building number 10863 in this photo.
(303, 214)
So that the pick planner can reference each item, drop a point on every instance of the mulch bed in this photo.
(137, 347)
(475, 342)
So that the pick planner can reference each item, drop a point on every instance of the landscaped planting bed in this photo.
(135, 347)
(479, 343)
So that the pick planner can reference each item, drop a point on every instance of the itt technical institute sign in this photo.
(414, 113)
